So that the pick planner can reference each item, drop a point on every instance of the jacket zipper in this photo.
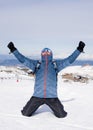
(45, 75)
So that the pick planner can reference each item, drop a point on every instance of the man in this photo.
(45, 88)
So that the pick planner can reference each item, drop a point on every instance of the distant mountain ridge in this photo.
(10, 60)
(15, 62)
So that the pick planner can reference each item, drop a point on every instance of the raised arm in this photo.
(26, 61)
(70, 59)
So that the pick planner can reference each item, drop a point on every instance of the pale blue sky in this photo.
(35, 24)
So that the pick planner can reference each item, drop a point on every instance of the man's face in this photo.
(46, 52)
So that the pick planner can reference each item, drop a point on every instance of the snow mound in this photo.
(78, 73)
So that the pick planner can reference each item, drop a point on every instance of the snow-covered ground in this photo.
(76, 97)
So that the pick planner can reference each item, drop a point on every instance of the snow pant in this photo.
(34, 103)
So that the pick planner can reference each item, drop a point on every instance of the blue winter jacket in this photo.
(46, 75)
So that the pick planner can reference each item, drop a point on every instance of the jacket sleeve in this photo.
(62, 63)
(26, 61)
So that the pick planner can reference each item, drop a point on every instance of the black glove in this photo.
(11, 47)
(81, 46)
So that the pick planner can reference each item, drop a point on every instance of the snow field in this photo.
(76, 97)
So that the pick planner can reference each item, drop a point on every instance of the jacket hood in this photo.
(46, 54)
